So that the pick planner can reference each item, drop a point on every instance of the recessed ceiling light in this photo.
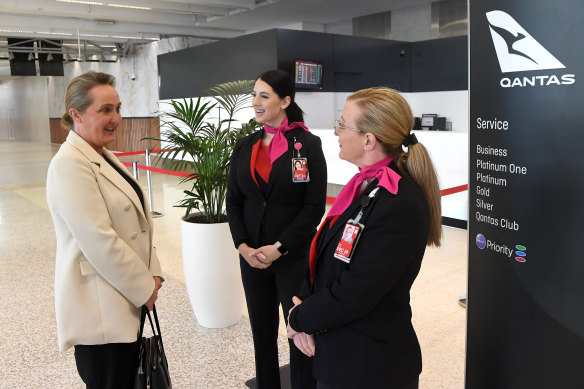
(80, 2)
(127, 6)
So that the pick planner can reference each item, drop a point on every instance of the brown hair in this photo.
(387, 115)
(79, 96)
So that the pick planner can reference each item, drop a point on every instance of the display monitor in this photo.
(428, 119)
(307, 74)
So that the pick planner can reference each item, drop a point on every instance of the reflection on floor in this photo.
(199, 358)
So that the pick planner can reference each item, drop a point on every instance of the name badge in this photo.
(300, 170)
(348, 243)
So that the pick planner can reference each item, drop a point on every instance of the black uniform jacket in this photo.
(359, 311)
(287, 212)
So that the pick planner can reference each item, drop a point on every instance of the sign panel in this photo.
(526, 185)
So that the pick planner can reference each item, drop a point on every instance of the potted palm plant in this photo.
(198, 136)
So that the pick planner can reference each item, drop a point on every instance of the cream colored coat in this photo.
(105, 258)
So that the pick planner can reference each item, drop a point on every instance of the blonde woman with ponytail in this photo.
(353, 313)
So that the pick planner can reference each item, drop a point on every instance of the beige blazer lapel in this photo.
(121, 182)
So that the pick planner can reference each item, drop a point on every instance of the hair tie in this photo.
(410, 140)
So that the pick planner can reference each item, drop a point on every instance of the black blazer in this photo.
(288, 212)
(360, 312)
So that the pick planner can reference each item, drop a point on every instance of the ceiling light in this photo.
(94, 35)
(126, 37)
(17, 31)
(127, 6)
(30, 57)
(53, 33)
(80, 2)
(49, 57)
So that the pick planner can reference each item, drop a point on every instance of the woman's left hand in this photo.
(269, 253)
(302, 340)
(305, 343)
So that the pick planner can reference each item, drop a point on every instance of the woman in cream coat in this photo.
(106, 266)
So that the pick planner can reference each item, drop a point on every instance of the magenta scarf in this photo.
(279, 144)
(387, 177)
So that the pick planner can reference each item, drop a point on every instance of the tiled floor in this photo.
(199, 358)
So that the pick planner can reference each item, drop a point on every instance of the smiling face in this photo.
(268, 106)
(351, 141)
(97, 125)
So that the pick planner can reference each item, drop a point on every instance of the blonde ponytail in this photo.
(416, 164)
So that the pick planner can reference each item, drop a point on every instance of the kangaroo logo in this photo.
(517, 51)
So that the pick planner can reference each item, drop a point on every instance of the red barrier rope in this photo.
(158, 170)
(456, 189)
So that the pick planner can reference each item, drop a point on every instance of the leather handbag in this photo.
(152, 370)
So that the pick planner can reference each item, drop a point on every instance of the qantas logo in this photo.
(517, 51)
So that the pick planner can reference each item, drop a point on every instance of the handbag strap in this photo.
(157, 332)
(142, 320)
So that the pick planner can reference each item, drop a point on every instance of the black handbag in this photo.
(152, 370)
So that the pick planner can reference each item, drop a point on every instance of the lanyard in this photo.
(365, 202)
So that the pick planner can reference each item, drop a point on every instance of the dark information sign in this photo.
(526, 195)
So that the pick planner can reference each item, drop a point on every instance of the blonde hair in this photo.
(387, 115)
(79, 96)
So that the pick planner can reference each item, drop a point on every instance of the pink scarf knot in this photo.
(387, 177)
(279, 144)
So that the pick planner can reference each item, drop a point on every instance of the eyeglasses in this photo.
(337, 124)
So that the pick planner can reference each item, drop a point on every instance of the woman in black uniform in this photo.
(273, 210)
(354, 311)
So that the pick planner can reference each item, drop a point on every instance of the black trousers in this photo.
(412, 385)
(265, 290)
(107, 366)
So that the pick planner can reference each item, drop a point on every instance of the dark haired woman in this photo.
(273, 214)
(106, 266)
(354, 312)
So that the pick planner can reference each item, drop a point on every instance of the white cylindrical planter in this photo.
(212, 274)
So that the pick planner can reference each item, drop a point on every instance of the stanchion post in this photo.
(135, 171)
(149, 178)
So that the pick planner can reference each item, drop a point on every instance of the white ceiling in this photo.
(111, 27)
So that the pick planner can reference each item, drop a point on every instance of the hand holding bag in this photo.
(152, 370)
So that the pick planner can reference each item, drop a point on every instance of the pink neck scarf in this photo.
(387, 177)
(279, 144)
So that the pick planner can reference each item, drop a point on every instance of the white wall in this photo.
(25, 100)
